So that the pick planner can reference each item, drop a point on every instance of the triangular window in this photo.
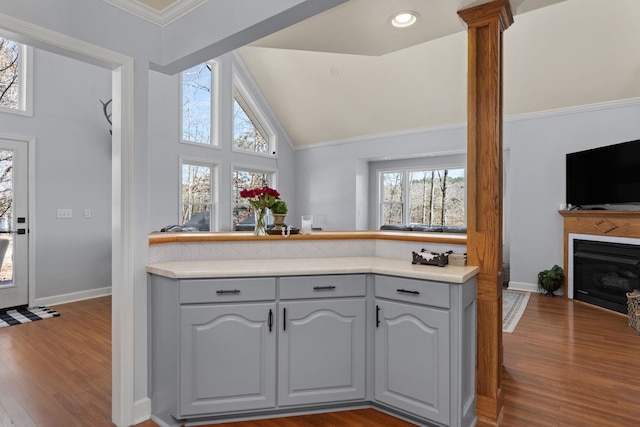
(251, 132)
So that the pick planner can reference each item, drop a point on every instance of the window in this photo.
(251, 133)
(196, 194)
(199, 104)
(392, 197)
(15, 82)
(242, 210)
(422, 196)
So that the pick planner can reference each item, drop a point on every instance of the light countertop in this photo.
(310, 266)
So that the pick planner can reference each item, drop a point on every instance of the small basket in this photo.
(633, 308)
(431, 258)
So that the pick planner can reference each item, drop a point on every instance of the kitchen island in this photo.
(237, 338)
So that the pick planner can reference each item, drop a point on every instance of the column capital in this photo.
(484, 14)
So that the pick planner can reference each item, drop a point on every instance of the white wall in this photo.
(73, 171)
(165, 148)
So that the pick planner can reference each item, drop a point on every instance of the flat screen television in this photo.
(605, 175)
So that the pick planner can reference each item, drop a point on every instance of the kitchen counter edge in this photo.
(310, 266)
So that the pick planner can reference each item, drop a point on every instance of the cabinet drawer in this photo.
(304, 287)
(227, 290)
(411, 290)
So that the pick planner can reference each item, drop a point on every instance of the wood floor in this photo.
(57, 372)
(566, 364)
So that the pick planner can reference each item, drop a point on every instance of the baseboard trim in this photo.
(73, 297)
(523, 286)
(529, 287)
(142, 410)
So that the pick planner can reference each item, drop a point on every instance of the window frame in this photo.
(272, 180)
(406, 170)
(214, 224)
(25, 69)
(237, 84)
(214, 130)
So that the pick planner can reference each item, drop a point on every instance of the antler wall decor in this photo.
(107, 114)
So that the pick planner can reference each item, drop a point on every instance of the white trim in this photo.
(72, 297)
(273, 181)
(141, 410)
(631, 102)
(593, 238)
(123, 309)
(31, 147)
(31, 209)
(122, 267)
(25, 68)
(213, 183)
(384, 135)
(239, 66)
(161, 18)
(237, 83)
(523, 286)
(214, 109)
(27, 77)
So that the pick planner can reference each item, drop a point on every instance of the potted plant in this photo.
(551, 280)
(279, 211)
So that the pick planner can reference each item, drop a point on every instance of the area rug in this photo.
(513, 306)
(24, 315)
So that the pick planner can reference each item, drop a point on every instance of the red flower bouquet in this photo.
(260, 200)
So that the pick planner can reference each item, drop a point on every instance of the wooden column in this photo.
(484, 194)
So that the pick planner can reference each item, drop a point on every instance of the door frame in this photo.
(124, 255)
(31, 210)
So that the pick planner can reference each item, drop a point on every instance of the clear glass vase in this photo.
(260, 228)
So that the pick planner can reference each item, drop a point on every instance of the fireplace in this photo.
(603, 272)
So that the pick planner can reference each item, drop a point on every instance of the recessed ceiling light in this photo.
(404, 19)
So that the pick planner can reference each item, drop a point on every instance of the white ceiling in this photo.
(347, 73)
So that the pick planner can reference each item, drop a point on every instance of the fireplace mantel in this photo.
(598, 223)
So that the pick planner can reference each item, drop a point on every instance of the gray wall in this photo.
(73, 171)
(329, 179)
(332, 181)
(538, 145)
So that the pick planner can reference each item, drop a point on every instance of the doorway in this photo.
(14, 223)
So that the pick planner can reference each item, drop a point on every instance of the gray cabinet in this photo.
(322, 339)
(241, 347)
(412, 359)
(425, 349)
(227, 358)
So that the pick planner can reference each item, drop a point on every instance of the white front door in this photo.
(14, 224)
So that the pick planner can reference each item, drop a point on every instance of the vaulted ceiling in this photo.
(346, 73)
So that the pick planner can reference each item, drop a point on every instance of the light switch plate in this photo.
(65, 213)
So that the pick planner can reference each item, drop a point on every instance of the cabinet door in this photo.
(412, 359)
(227, 358)
(322, 351)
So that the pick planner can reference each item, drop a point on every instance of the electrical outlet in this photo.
(64, 213)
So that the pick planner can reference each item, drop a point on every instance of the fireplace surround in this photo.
(607, 245)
